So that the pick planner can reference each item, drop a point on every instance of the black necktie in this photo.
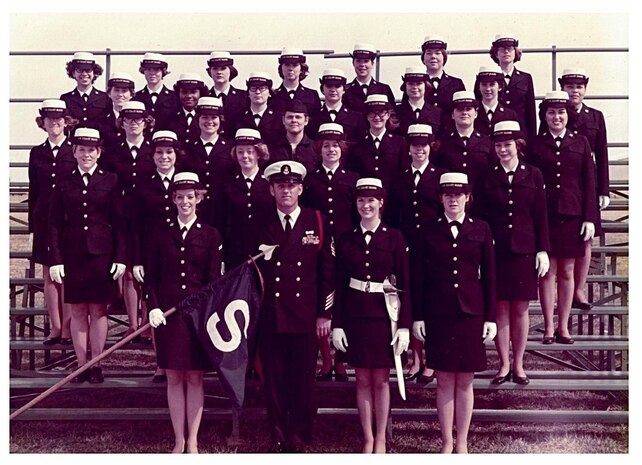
(333, 114)
(291, 93)
(257, 119)
(558, 141)
(190, 116)
(364, 88)
(456, 225)
(248, 181)
(417, 176)
(54, 150)
(464, 139)
(288, 225)
(86, 177)
(435, 82)
(184, 231)
(222, 96)
(330, 175)
(509, 175)
(507, 78)
(134, 151)
(377, 142)
(85, 97)
(367, 235)
(490, 115)
(166, 182)
(417, 113)
(154, 97)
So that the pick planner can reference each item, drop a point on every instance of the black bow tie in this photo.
(507, 76)
(558, 139)
(456, 224)
(332, 112)
(209, 144)
(510, 173)
(154, 94)
(367, 234)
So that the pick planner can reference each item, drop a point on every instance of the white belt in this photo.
(366, 286)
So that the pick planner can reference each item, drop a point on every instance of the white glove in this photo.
(419, 330)
(117, 269)
(339, 339)
(605, 201)
(139, 273)
(489, 332)
(156, 318)
(56, 273)
(542, 264)
(401, 341)
(587, 231)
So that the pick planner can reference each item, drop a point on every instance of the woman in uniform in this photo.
(588, 122)
(120, 89)
(220, 67)
(519, 92)
(188, 89)
(514, 205)
(413, 108)
(86, 103)
(414, 203)
(330, 189)
(160, 101)
(131, 159)
(87, 245)
(48, 163)
(569, 175)
(182, 257)
(209, 156)
(366, 257)
(489, 83)
(454, 278)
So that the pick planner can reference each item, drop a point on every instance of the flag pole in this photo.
(85, 367)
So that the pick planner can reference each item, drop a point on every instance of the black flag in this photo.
(224, 316)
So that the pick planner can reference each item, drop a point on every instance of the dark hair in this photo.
(181, 155)
(233, 71)
(71, 67)
(305, 70)
(318, 144)
(150, 121)
(521, 147)
(495, 48)
(70, 123)
(129, 88)
(141, 69)
(443, 51)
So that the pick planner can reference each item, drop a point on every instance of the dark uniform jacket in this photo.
(353, 123)
(501, 113)
(442, 96)
(413, 207)
(45, 172)
(304, 153)
(428, 115)
(186, 133)
(354, 97)
(176, 268)
(110, 132)
(455, 276)
(589, 122)
(383, 163)
(91, 113)
(569, 175)
(213, 171)
(165, 108)
(519, 95)
(241, 214)
(334, 198)
(271, 125)
(131, 171)
(234, 104)
(516, 212)
(87, 218)
(309, 97)
(385, 255)
(299, 278)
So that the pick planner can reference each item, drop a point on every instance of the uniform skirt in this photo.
(516, 276)
(564, 232)
(369, 343)
(455, 344)
(177, 346)
(87, 279)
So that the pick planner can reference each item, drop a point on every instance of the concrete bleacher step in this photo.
(423, 414)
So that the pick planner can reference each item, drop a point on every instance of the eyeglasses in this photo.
(133, 120)
(257, 88)
(378, 114)
(507, 49)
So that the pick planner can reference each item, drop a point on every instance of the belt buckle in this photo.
(367, 289)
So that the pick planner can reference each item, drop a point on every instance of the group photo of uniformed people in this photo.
(411, 233)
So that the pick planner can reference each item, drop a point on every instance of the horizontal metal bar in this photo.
(110, 52)
(485, 51)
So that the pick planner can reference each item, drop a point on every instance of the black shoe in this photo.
(50, 341)
(341, 377)
(563, 339)
(65, 341)
(81, 378)
(425, 379)
(548, 340)
(159, 379)
(327, 376)
(523, 380)
(414, 376)
(497, 380)
(96, 375)
(581, 305)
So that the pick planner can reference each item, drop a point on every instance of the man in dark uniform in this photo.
(299, 295)
(259, 116)
(86, 103)
(333, 86)
(160, 101)
(435, 56)
(363, 58)
(296, 145)
(189, 88)
(488, 84)
(220, 67)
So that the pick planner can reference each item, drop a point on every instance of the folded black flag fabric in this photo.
(224, 316)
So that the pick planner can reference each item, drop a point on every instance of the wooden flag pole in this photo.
(84, 367)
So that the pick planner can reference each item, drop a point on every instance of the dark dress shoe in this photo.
(563, 339)
(81, 378)
(581, 305)
(497, 380)
(341, 377)
(548, 340)
(159, 379)
(96, 375)
(65, 341)
(327, 376)
(523, 380)
(425, 379)
(414, 376)
(50, 341)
